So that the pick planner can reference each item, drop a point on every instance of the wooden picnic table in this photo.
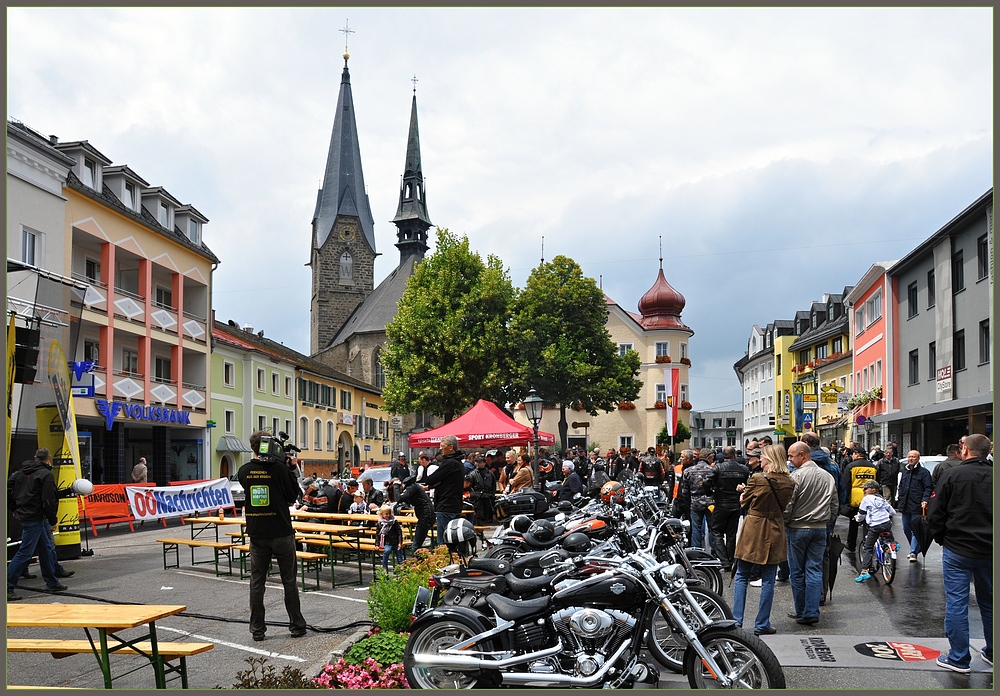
(107, 619)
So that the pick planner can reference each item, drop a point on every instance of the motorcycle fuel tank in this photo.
(603, 590)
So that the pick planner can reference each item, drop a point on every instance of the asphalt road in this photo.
(128, 567)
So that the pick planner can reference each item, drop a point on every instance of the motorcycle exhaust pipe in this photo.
(557, 681)
(443, 659)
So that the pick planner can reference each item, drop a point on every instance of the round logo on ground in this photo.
(902, 652)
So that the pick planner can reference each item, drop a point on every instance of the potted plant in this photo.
(660, 404)
(662, 358)
(686, 405)
(686, 361)
(626, 406)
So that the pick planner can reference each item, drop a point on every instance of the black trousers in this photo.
(725, 522)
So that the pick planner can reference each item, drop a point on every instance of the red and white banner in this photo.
(174, 501)
(672, 385)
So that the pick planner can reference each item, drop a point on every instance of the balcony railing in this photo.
(194, 327)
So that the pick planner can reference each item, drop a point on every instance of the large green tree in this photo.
(563, 348)
(448, 345)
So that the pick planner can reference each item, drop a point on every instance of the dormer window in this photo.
(194, 233)
(130, 201)
(162, 217)
(815, 320)
(89, 174)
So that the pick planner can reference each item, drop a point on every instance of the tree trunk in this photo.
(563, 428)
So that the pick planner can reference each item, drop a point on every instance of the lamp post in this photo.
(869, 427)
(533, 410)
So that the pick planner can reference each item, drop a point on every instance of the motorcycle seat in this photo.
(527, 586)
(516, 609)
(498, 566)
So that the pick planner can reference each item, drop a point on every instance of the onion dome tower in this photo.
(661, 306)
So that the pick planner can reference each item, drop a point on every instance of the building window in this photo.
(864, 375)
(345, 400)
(932, 360)
(803, 356)
(89, 174)
(821, 351)
(161, 369)
(931, 288)
(984, 341)
(838, 345)
(228, 374)
(684, 392)
(92, 270)
(164, 298)
(29, 246)
(317, 434)
(261, 422)
(330, 435)
(260, 380)
(859, 321)
(911, 300)
(625, 441)
(662, 348)
(163, 217)
(304, 432)
(288, 426)
(716, 422)
(378, 371)
(230, 422)
(92, 351)
(958, 271)
(288, 387)
(958, 350)
(730, 422)
(878, 372)
(130, 362)
(274, 426)
(982, 257)
(275, 381)
(661, 392)
(193, 233)
(346, 266)
(129, 196)
(684, 350)
(770, 404)
(873, 307)
(624, 348)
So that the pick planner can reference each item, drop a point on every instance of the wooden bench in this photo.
(223, 548)
(115, 519)
(64, 648)
(308, 561)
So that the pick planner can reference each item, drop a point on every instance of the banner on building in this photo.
(152, 503)
(672, 390)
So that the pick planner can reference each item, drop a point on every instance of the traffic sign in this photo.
(368, 448)
(807, 421)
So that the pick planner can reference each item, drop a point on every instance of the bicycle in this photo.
(884, 557)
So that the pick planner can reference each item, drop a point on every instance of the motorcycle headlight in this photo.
(673, 572)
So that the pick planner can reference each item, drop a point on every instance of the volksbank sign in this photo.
(156, 414)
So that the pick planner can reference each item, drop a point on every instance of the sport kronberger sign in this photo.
(173, 501)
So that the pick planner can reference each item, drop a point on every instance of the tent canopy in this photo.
(482, 426)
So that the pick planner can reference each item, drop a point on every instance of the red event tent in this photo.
(482, 426)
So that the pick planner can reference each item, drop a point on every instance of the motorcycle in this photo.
(588, 632)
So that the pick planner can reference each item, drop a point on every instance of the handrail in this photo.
(129, 293)
(89, 281)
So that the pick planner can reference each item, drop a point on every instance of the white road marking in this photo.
(238, 646)
(269, 584)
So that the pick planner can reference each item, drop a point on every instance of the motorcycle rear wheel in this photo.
(737, 652)
(710, 576)
(430, 638)
(668, 647)
(506, 552)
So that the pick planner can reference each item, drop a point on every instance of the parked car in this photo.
(378, 474)
(236, 490)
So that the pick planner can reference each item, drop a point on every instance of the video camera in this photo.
(276, 449)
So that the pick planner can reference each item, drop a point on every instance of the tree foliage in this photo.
(562, 346)
(448, 344)
(680, 434)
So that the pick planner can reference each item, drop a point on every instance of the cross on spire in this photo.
(414, 80)
(347, 34)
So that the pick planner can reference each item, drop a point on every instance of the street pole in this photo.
(534, 463)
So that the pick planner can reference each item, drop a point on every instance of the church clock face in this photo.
(345, 233)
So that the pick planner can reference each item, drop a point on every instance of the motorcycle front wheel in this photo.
(710, 577)
(431, 638)
(743, 657)
(666, 646)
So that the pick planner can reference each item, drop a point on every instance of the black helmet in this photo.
(564, 506)
(577, 542)
(520, 523)
(540, 531)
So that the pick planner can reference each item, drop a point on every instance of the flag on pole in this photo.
(672, 385)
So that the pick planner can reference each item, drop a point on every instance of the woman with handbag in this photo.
(762, 538)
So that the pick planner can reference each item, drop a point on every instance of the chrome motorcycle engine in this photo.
(589, 635)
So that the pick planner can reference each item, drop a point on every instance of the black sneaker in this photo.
(258, 636)
(65, 573)
(298, 632)
(12, 596)
(55, 588)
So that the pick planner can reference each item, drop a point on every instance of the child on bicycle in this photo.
(876, 512)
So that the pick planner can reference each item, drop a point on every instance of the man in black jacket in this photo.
(270, 486)
(726, 517)
(887, 474)
(413, 495)
(913, 496)
(448, 482)
(961, 520)
(31, 494)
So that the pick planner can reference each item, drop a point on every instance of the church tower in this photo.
(411, 219)
(343, 253)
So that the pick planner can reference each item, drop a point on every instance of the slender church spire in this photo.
(412, 220)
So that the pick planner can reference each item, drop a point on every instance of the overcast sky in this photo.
(778, 152)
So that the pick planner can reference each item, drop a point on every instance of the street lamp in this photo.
(533, 410)
(869, 427)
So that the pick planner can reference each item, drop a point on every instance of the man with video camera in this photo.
(270, 481)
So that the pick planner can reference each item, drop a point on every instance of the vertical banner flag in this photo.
(11, 333)
(672, 386)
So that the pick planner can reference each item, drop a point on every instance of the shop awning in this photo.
(231, 443)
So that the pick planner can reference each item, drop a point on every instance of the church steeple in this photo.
(412, 220)
(343, 192)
